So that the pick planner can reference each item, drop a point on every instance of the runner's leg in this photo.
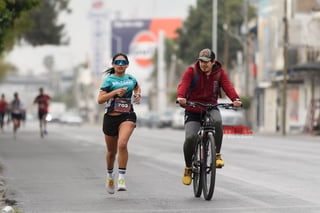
(125, 130)
(44, 122)
(1, 120)
(111, 143)
(40, 122)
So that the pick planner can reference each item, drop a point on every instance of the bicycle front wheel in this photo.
(196, 171)
(209, 167)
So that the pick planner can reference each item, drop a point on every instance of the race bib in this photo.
(122, 104)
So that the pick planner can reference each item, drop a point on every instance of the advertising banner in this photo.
(138, 38)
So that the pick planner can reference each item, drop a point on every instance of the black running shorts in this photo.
(111, 123)
(17, 116)
(41, 114)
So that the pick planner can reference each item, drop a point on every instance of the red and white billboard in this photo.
(139, 37)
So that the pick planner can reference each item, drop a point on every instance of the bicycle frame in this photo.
(204, 157)
(199, 156)
(207, 154)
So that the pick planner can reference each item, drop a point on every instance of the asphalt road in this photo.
(65, 172)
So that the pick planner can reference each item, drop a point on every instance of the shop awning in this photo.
(307, 66)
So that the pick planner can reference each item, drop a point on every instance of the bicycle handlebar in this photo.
(194, 104)
(224, 105)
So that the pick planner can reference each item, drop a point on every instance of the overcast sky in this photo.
(29, 59)
(150, 8)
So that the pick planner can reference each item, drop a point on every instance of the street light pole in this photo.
(285, 69)
(161, 75)
(214, 26)
(246, 49)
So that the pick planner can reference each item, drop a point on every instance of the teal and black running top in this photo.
(117, 103)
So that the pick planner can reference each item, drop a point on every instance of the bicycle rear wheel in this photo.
(209, 167)
(196, 171)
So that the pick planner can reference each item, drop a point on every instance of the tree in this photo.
(33, 20)
(196, 32)
(45, 29)
(13, 22)
(13, 13)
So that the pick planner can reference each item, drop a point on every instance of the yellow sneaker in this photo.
(187, 176)
(219, 161)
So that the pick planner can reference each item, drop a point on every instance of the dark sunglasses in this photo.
(121, 62)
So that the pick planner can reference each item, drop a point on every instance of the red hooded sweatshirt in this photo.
(206, 88)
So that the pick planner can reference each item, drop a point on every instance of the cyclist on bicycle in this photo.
(201, 83)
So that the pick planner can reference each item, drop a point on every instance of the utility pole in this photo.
(285, 69)
(214, 26)
(226, 39)
(246, 49)
(161, 75)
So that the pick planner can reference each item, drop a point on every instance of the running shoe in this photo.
(187, 176)
(110, 185)
(219, 161)
(122, 185)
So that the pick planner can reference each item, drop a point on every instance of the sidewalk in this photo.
(5, 135)
(302, 136)
(2, 188)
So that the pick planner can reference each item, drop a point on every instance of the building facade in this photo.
(303, 73)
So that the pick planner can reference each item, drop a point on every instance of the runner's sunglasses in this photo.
(121, 62)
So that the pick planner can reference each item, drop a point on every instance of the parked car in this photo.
(53, 118)
(148, 119)
(165, 118)
(178, 119)
(231, 117)
(71, 119)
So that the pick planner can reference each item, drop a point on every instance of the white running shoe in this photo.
(122, 185)
(110, 185)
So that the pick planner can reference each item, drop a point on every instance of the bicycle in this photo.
(204, 157)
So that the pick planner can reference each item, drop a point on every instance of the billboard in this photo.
(138, 37)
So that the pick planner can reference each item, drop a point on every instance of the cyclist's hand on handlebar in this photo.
(182, 101)
(237, 103)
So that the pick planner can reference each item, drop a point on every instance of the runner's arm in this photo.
(137, 94)
(105, 96)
